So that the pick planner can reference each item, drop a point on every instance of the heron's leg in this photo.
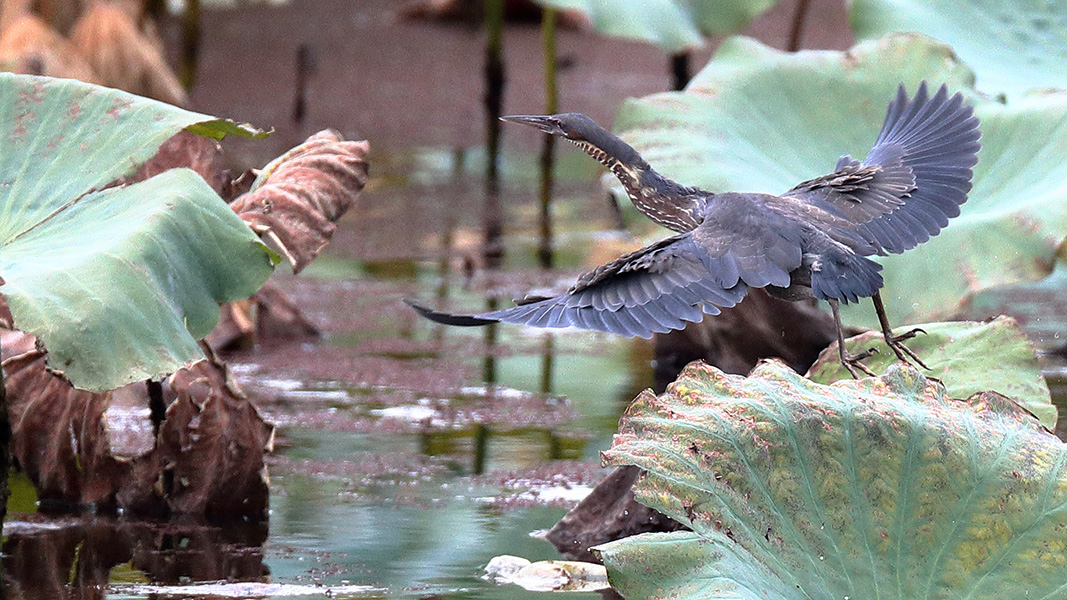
(849, 361)
(895, 341)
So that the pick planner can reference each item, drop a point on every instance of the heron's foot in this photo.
(851, 362)
(896, 343)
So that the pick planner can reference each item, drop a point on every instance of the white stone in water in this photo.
(544, 576)
(547, 575)
(502, 569)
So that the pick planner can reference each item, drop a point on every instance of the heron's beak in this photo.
(544, 123)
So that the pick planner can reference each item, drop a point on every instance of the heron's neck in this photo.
(666, 202)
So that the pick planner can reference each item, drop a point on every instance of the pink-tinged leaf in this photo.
(298, 196)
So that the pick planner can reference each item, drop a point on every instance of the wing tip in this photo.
(908, 116)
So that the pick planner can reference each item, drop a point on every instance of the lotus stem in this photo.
(680, 70)
(156, 406)
(548, 146)
(5, 448)
(190, 43)
(797, 29)
(493, 250)
(548, 360)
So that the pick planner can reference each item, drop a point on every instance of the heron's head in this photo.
(573, 126)
(596, 141)
(666, 202)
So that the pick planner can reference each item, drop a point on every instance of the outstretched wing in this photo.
(653, 290)
(914, 179)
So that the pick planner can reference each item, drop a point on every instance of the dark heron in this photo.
(811, 241)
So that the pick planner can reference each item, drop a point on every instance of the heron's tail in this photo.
(449, 318)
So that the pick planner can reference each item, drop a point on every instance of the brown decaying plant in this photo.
(207, 457)
(109, 43)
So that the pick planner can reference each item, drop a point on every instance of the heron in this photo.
(813, 241)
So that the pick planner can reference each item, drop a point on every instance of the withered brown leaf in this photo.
(207, 459)
(298, 196)
(189, 150)
(123, 55)
(28, 45)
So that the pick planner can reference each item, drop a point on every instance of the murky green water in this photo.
(404, 511)
(436, 504)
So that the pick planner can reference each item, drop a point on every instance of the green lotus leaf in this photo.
(966, 356)
(877, 488)
(117, 282)
(686, 566)
(756, 119)
(1013, 45)
(673, 25)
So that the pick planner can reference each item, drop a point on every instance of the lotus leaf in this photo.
(756, 119)
(673, 25)
(877, 488)
(966, 356)
(117, 282)
(1013, 45)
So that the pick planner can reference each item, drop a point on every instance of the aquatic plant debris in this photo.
(251, 590)
(206, 459)
(879, 488)
(560, 483)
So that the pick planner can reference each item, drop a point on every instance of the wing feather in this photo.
(915, 177)
(653, 290)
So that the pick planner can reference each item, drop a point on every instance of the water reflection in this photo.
(500, 449)
(489, 375)
(548, 358)
(448, 234)
(481, 445)
(49, 560)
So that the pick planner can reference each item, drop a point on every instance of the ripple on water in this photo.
(250, 590)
